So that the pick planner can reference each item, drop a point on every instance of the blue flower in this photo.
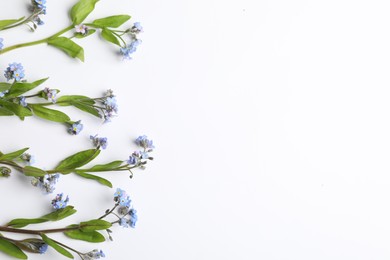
(99, 141)
(137, 28)
(22, 101)
(94, 254)
(133, 159)
(121, 198)
(43, 248)
(81, 29)
(50, 94)
(133, 218)
(1, 43)
(144, 142)
(110, 108)
(58, 202)
(75, 128)
(14, 71)
(130, 49)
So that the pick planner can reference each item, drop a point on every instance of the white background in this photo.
(270, 120)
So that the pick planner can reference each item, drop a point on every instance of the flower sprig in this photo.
(46, 179)
(38, 8)
(89, 231)
(15, 102)
(108, 27)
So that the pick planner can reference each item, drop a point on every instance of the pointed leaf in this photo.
(78, 159)
(13, 155)
(95, 224)
(71, 99)
(5, 112)
(94, 177)
(110, 37)
(56, 246)
(81, 10)
(5, 23)
(19, 110)
(33, 171)
(89, 236)
(22, 222)
(4, 86)
(11, 249)
(50, 114)
(112, 21)
(20, 88)
(60, 214)
(105, 167)
(68, 46)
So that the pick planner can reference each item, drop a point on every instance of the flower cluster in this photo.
(38, 8)
(110, 106)
(99, 141)
(130, 48)
(58, 202)
(46, 183)
(14, 71)
(128, 214)
(138, 157)
(94, 254)
(50, 94)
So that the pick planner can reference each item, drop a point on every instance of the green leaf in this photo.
(68, 46)
(53, 216)
(89, 236)
(33, 171)
(78, 159)
(88, 109)
(110, 37)
(4, 86)
(5, 112)
(112, 21)
(17, 109)
(94, 177)
(81, 10)
(60, 214)
(11, 249)
(13, 155)
(69, 100)
(79, 35)
(5, 23)
(95, 224)
(22, 222)
(105, 167)
(56, 246)
(20, 88)
(50, 114)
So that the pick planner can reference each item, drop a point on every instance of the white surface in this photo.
(270, 120)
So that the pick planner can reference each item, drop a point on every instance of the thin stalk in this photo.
(36, 232)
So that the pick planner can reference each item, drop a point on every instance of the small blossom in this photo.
(110, 108)
(94, 254)
(34, 245)
(14, 71)
(75, 128)
(28, 158)
(121, 198)
(22, 101)
(50, 94)
(58, 202)
(130, 49)
(137, 28)
(144, 142)
(38, 8)
(99, 141)
(130, 221)
(133, 159)
(81, 29)
(1, 43)
(46, 183)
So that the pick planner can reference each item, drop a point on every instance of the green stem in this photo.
(36, 232)
(45, 40)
